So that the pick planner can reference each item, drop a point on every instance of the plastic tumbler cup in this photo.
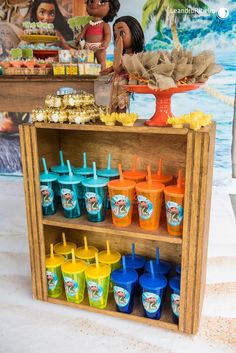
(64, 248)
(125, 281)
(174, 201)
(137, 263)
(150, 196)
(174, 284)
(48, 183)
(152, 293)
(71, 194)
(121, 196)
(53, 273)
(86, 253)
(165, 179)
(97, 280)
(60, 169)
(178, 270)
(111, 258)
(73, 272)
(95, 196)
(109, 173)
(137, 176)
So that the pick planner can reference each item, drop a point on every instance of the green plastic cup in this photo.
(54, 274)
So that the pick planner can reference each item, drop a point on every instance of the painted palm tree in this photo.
(170, 12)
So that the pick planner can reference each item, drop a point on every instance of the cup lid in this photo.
(162, 267)
(97, 270)
(135, 262)
(108, 172)
(61, 168)
(85, 170)
(53, 260)
(159, 176)
(95, 181)
(46, 176)
(150, 185)
(109, 256)
(177, 189)
(174, 283)
(122, 277)
(88, 253)
(134, 174)
(62, 249)
(148, 282)
(74, 267)
(70, 178)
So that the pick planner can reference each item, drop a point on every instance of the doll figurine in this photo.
(129, 40)
(97, 33)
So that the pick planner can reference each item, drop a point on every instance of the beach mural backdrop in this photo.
(200, 25)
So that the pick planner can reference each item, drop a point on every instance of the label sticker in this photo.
(121, 295)
(120, 205)
(151, 302)
(71, 287)
(47, 195)
(68, 199)
(93, 203)
(175, 300)
(95, 291)
(52, 280)
(174, 213)
(145, 207)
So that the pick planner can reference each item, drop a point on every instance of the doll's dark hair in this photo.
(60, 23)
(114, 9)
(136, 32)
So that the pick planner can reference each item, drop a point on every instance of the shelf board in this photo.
(107, 227)
(137, 314)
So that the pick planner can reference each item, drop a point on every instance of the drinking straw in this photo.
(157, 256)
(123, 263)
(109, 161)
(73, 255)
(134, 168)
(159, 171)
(180, 178)
(108, 247)
(85, 243)
(149, 174)
(61, 158)
(120, 172)
(96, 189)
(96, 260)
(73, 187)
(85, 160)
(133, 251)
(51, 251)
(64, 239)
(152, 269)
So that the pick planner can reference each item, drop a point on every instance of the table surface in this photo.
(24, 93)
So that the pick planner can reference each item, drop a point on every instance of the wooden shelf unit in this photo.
(191, 150)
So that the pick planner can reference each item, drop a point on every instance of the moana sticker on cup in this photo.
(120, 205)
(93, 202)
(68, 199)
(95, 291)
(71, 287)
(175, 300)
(47, 195)
(145, 207)
(52, 280)
(174, 213)
(122, 296)
(151, 302)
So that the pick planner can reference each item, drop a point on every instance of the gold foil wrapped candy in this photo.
(53, 101)
(195, 120)
(39, 115)
(57, 115)
(126, 119)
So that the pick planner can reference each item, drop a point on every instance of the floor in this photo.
(28, 326)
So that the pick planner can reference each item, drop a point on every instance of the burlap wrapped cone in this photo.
(163, 70)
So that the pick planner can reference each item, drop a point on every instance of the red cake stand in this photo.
(163, 100)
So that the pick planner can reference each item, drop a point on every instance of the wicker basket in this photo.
(25, 71)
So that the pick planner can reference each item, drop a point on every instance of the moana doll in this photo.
(97, 33)
(129, 40)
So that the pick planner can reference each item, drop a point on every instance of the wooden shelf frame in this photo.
(197, 158)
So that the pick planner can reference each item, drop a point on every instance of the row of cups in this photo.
(102, 273)
(77, 190)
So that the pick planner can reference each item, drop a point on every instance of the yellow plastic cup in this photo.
(137, 176)
(111, 258)
(53, 274)
(174, 201)
(150, 196)
(97, 279)
(64, 248)
(122, 198)
(86, 253)
(73, 272)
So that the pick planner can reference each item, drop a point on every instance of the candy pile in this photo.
(126, 119)
(195, 120)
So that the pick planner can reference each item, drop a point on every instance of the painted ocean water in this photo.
(222, 114)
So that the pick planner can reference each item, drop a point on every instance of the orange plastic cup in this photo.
(150, 196)
(137, 176)
(174, 201)
(122, 197)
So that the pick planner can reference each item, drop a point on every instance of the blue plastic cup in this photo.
(153, 287)
(125, 281)
(174, 284)
(137, 263)
(95, 196)
(71, 194)
(60, 169)
(109, 173)
(84, 172)
(48, 183)
(178, 270)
